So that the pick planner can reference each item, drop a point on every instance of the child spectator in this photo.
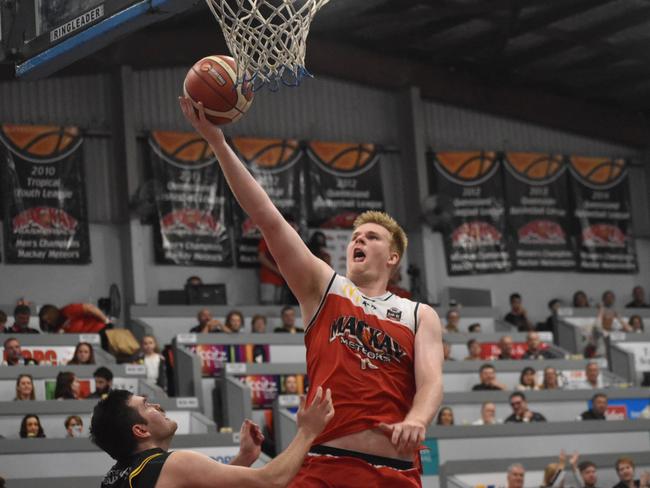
(25, 387)
(83, 354)
(445, 417)
(258, 324)
(234, 322)
(67, 386)
(31, 427)
(74, 426)
(527, 380)
(154, 363)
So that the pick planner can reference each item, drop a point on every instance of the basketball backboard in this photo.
(43, 36)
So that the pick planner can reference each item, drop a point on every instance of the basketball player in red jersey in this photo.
(381, 354)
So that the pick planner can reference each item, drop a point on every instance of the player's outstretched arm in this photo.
(407, 435)
(188, 469)
(306, 275)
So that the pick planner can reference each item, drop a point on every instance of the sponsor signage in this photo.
(77, 23)
(216, 357)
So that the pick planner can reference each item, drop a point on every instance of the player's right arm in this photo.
(188, 469)
(306, 275)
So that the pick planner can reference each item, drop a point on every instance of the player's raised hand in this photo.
(406, 436)
(250, 441)
(196, 117)
(312, 419)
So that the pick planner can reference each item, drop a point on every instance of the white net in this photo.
(267, 38)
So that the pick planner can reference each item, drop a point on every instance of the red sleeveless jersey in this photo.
(362, 348)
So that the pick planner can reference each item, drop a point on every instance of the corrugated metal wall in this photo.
(83, 101)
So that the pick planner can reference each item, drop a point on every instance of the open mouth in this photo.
(358, 255)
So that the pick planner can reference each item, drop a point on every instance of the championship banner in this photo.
(273, 163)
(539, 220)
(44, 198)
(343, 181)
(190, 198)
(471, 182)
(602, 215)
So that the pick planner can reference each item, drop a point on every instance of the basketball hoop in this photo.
(267, 38)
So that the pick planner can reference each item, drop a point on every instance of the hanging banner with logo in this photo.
(602, 213)
(539, 219)
(343, 181)
(470, 184)
(44, 199)
(273, 163)
(190, 198)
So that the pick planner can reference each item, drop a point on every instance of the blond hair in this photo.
(397, 234)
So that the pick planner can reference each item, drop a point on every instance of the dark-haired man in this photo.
(598, 408)
(22, 313)
(488, 377)
(103, 382)
(638, 298)
(586, 471)
(137, 434)
(288, 316)
(518, 315)
(520, 411)
(14, 354)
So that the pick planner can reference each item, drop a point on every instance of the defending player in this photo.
(137, 434)
(381, 354)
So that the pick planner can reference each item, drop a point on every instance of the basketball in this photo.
(212, 81)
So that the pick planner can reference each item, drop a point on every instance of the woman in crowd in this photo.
(580, 299)
(31, 427)
(67, 386)
(154, 363)
(445, 417)
(258, 324)
(83, 354)
(25, 387)
(234, 322)
(74, 426)
(551, 380)
(527, 380)
(636, 323)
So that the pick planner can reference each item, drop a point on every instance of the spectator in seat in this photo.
(453, 321)
(207, 324)
(516, 474)
(290, 385)
(505, 346)
(258, 324)
(488, 415)
(474, 328)
(586, 474)
(520, 410)
(550, 379)
(22, 314)
(31, 427)
(25, 387)
(593, 378)
(638, 298)
(518, 315)
(445, 417)
(194, 281)
(288, 316)
(527, 380)
(636, 323)
(580, 300)
(598, 408)
(608, 299)
(555, 474)
(103, 382)
(14, 354)
(625, 471)
(76, 318)
(234, 322)
(446, 351)
(394, 284)
(67, 386)
(535, 350)
(317, 244)
(551, 323)
(152, 360)
(74, 426)
(83, 354)
(474, 350)
(488, 377)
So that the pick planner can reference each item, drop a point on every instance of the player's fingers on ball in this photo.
(201, 112)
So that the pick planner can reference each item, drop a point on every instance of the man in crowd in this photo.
(625, 471)
(474, 350)
(520, 410)
(551, 323)
(608, 299)
(535, 350)
(206, 323)
(488, 377)
(14, 354)
(288, 316)
(137, 434)
(488, 414)
(76, 318)
(505, 346)
(22, 313)
(518, 315)
(474, 328)
(638, 298)
(598, 408)
(586, 471)
(516, 474)
(103, 382)
(593, 378)
(453, 321)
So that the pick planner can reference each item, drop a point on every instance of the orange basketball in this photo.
(212, 81)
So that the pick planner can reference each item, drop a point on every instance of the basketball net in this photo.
(267, 38)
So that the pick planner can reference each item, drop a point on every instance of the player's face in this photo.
(370, 249)
(158, 425)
